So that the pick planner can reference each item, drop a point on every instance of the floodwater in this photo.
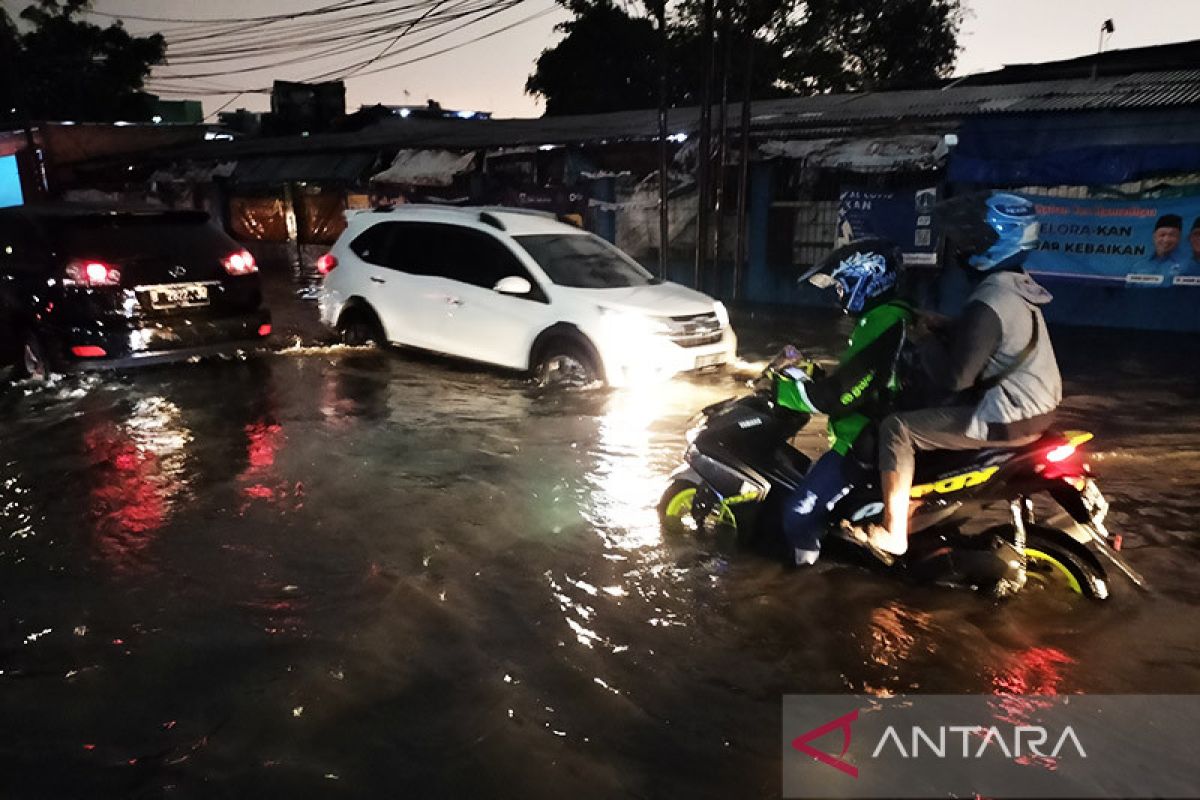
(326, 572)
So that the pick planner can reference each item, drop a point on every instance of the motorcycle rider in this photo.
(865, 275)
(997, 370)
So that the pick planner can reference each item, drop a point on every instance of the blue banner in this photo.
(10, 182)
(904, 216)
(1154, 243)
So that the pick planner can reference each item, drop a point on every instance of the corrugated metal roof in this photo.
(309, 167)
(1158, 90)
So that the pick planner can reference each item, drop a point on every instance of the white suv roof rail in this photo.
(485, 214)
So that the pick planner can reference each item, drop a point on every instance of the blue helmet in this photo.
(865, 273)
(989, 230)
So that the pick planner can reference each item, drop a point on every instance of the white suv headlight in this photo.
(722, 313)
(629, 323)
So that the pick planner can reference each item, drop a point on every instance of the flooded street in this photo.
(350, 573)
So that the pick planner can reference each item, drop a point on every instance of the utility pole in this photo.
(664, 219)
(705, 151)
(722, 146)
(739, 261)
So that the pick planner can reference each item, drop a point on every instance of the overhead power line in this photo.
(479, 38)
(348, 41)
(342, 4)
(254, 45)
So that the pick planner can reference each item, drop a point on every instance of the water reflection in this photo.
(1027, 686)
(893, 631)
(261, 482)
(1034, 670)
(138, 478)
(17, 519)
(624, 482)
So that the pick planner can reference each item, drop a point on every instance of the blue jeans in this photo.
(806, 510)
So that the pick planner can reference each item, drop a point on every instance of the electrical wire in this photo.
(224, 106)
(479, 38)
(471, 15)
(338, 74)
(356, 35)
(341, 4)
(270, 42)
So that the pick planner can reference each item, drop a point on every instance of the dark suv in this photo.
(85, 286)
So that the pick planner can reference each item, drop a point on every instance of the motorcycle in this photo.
(975, 522)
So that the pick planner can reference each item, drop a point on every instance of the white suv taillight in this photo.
(240, 263)
(326, 263)
(84, 272)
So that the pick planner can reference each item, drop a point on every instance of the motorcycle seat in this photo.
(934, 464)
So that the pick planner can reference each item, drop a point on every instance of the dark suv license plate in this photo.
(181, 295)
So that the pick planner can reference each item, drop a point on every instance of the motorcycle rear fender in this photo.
(1071, 501)
(1071, 541)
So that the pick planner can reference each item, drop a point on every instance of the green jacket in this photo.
(864, 381)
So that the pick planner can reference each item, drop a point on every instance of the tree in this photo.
(606, 60)
(65, 68)
(604, 63)
(863, 45)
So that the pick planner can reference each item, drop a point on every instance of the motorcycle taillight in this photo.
(1073, 467)
(1065, 460)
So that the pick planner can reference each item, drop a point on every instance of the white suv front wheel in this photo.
(565, 363)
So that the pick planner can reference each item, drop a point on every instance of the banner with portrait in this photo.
(1152, 243)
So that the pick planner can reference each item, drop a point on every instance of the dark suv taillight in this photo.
(240, 263)
(83, 272)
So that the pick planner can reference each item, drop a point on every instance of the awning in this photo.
(426, 168)
(1076, 150)
(915, 152)
(189, 172)
(341, 167)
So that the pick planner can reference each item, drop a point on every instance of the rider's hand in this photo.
(929, 322)
(798, 373)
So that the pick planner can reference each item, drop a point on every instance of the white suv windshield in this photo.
(584, 261)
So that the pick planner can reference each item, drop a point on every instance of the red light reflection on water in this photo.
(263, 439)
(1029, 684)
(1036, 670)
(128, 498)
(263, 442)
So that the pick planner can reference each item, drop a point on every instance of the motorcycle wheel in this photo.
(1052, 564)
(675, 512)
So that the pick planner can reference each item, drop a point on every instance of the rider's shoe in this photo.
(881, 538)
(805, 558)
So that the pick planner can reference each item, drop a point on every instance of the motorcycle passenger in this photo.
(998, 366)
(865, 275)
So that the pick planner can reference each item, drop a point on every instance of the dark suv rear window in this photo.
(146, 245)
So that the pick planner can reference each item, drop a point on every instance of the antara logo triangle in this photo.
(801, 743)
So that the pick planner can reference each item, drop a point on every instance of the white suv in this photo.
(516, 289)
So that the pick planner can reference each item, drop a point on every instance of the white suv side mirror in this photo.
(513, 284)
